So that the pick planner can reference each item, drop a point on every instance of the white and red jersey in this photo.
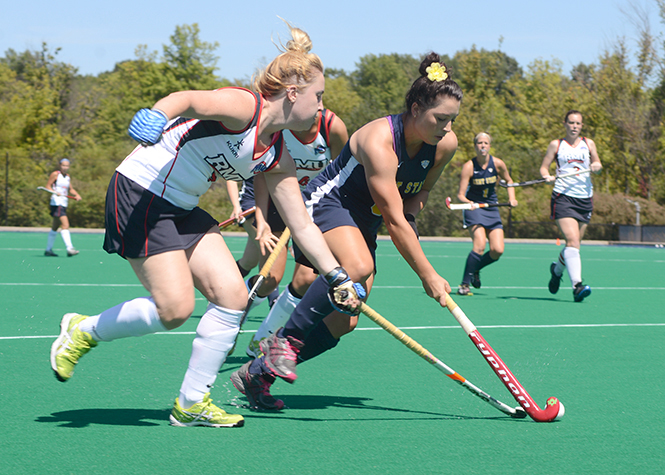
(61, 187)
(570, 159)
(193, 153)
(312, 157)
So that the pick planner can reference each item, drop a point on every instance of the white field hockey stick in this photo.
(470, 206)
(42, 188)
(241, 218)
(414, 346)
(541, 180)
(553, 411)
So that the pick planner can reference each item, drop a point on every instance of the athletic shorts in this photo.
(141, 224)
(328, 214)
(488, 218)
(58, 211)
(563, 206)
(247, 201)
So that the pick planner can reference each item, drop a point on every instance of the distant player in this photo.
(478, 185)
(572, 199)
(60, 183)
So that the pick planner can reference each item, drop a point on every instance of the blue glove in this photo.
(147, 126)
(340, 288)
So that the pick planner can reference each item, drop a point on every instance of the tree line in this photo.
(49, 111)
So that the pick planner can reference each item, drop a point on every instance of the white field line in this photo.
(445, 327)
(406, 287)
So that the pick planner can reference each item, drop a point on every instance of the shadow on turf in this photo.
(112, 417)
(309, 402)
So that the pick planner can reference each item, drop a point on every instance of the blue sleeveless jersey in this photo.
(482, 185)
(343, 184)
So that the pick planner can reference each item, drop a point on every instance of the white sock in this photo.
(132, 318)
(51, 239)
(278, 316)
(67, 238)
(573, 263)
(560, 264)
(215, 336)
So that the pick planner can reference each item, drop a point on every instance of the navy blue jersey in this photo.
(343, 183)
(482, 185)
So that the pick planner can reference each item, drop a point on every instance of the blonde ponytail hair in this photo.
(292, 67)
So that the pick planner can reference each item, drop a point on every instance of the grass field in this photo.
(371, 406)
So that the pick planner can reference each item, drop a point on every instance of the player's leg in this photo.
(168, 279)
(573, 232)
(219, 280)
(490, 257)
(66, 236)
(479, 241)
(280, 312)
(351, 250)
(52, 234)
(252, 254)
(326, 335)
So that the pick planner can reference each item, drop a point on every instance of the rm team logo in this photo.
(222, 167)
(424, 164)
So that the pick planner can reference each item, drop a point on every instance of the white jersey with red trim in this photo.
(193, 153)
(312, 157)
(571, 159)
(61, 187)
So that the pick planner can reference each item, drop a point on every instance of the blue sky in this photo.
(93, 36)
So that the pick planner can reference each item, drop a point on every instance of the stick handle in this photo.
(228, 222)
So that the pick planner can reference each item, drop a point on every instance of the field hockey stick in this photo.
(263, 274)
(470, 206)
(541, 180)
(265, 270)
(240, 219)
(554, 409)
(414, 346)
(42, 188)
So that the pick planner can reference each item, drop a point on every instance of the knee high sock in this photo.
(51, 239)
(318, 341)
(560, 264)
(132, 318)
(485, 261)
(472, 262)
(573, 262)
(215, 336)
(279, 314)
(67, 238)
(313, 308)
(309, 313)
(243, 272)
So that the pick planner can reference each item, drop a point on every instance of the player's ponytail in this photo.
(435, 79)
(294, 66)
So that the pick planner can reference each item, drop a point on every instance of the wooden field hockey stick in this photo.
(414, 346)
(554, 409)
(263, 274)
(470, 206)
(541, 180)
(240, 219)
(265, 270)
(42, 188)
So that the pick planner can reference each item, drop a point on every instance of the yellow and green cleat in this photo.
(70, 346)
(204, 413)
